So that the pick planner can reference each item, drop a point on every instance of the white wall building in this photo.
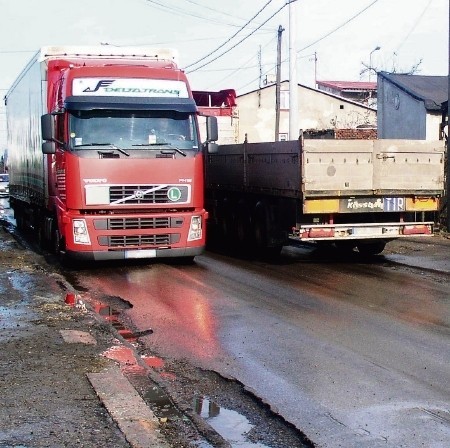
(318, 111)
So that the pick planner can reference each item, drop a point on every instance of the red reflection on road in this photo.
(171, 302)
(125, 357)
(153, 361)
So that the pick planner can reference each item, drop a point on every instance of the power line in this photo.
(184, 12)
(244, 66)
(238, 43)
(214, 10)
(414, 26)
(228, 40)
(339, 27)
(322, 38)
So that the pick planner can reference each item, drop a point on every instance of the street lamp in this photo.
(370, 59)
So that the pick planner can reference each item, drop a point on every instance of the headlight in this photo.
(80, 232)
(195, 229)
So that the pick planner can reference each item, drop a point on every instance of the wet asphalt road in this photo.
(352, 353)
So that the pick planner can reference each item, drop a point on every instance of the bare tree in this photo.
(414, 69)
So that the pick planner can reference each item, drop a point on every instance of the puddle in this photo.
(161, 404)
(163, 408)
(231, 425)
(109, 313)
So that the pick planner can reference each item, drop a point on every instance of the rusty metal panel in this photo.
(337, 167)
(408, 165)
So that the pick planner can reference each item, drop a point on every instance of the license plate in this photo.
(367, 231)
(144, 253)
(372, 204)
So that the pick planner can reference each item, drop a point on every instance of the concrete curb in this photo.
(134, 418)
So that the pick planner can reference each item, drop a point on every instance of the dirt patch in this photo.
(419, 245)
(47, 400)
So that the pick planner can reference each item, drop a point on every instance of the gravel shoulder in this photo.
(47, 400)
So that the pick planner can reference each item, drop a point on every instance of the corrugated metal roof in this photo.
(349, 85)
(432, 90)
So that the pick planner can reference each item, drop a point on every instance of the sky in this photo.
(232, 44)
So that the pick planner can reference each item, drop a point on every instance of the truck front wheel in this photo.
(55, 245)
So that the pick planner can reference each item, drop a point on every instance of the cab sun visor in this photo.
(186, 105)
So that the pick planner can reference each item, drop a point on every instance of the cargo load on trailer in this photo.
(121, 172)
(349, 193)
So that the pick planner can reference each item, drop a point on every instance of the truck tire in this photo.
(19, 216)
(55, 244)
(244, 236)
(225, 217)
(261, 235)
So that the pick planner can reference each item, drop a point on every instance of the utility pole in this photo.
(315, 69)
(260, 75)
(293, 84)
(277, 90)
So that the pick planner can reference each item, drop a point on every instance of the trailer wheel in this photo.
(227, 224)
(244, 237)
(261, 235)
(42, 241)
(373, 248)
(20, 218)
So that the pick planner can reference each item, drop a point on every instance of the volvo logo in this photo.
(139, 194)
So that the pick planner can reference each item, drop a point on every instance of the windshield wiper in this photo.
(153, 146)
(105, 144)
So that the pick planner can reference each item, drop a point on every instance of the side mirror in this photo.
(48, 127)
(212, 132)
(48, 148)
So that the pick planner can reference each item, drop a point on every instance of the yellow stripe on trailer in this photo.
(321, 206)
(422, 204)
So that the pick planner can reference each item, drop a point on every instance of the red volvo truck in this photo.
(120, 174)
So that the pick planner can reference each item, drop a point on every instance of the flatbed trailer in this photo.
(350, 193)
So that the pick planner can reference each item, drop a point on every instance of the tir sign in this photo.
(174, 194)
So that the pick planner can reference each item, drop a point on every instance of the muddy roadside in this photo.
(48, 400)
(430, 254)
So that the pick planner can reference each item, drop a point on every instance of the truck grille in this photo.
(140, 241)
(148, 194)
(137, 240)
(138, 223)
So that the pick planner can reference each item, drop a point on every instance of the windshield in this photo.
(132, 129)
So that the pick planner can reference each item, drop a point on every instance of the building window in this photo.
(284, 99)
(341, 106)
(283, 137)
